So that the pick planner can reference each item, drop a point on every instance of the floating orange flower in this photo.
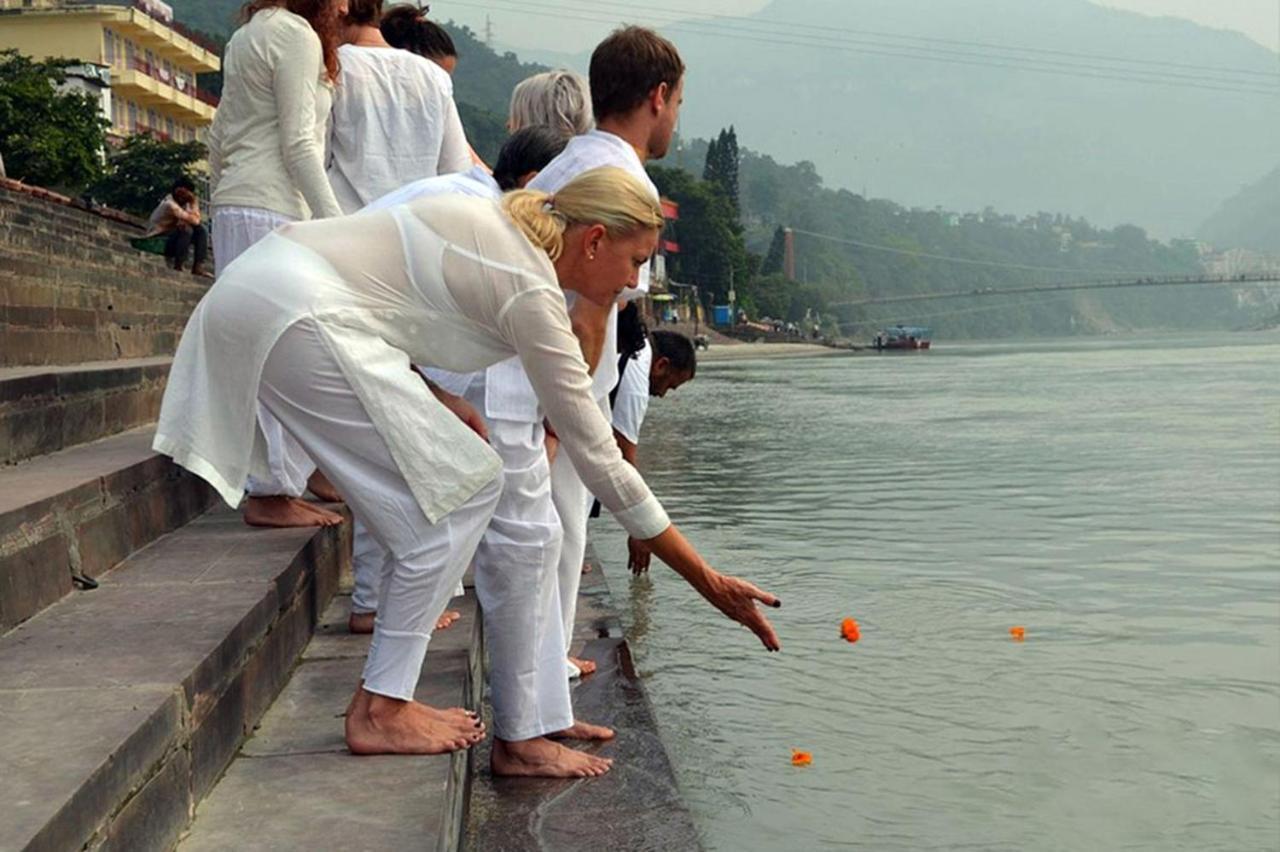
(1018, 633)
(800, 758)
(849, 630)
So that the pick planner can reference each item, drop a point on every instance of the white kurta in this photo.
(394, 121)
(508, 392)
(632, 400)
(446, 282)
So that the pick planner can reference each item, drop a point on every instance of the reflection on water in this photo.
(1120, 499)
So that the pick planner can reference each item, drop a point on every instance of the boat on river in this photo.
(902, 337)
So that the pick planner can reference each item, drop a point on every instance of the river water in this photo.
(1118, 498)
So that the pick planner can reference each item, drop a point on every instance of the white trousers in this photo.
(305, 389)
(368, 559)
(235, 229)
(573, 505)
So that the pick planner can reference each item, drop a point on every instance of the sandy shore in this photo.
(736, 351)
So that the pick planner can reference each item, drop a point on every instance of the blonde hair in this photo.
(607, 196)
(560, 99)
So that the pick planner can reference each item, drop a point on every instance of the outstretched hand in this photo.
(638, 556)
(737, 599)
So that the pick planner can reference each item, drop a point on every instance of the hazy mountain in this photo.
(810, 80)
(1250, 219)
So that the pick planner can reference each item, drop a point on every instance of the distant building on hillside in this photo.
(149, 61)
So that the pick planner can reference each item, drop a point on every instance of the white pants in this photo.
(573, 504)
(305, 389)
(368, 558)
(235, 229)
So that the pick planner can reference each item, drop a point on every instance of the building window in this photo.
(132, 126)
(108, 48)
(168, 127)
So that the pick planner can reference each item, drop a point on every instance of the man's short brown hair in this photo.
(363, 13)
(627, 66)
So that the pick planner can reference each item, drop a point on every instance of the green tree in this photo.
(774, 260)
(144, 170)
(49, 137)
(486, 131)
(712, 253)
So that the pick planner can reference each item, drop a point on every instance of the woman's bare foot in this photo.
(319, 485)
(282, 511)
(585, 666)
(379, 725)
(447, 618)
(583, 731)
(542, 758)
(361, 622)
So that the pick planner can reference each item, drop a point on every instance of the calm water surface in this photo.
(1121, 499)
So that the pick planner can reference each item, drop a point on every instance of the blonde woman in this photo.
(560, 99)
(266, 159)
(320, 321)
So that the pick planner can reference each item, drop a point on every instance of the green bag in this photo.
(151, 245)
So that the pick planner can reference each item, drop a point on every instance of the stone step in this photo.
(122, 706)
(46, 409)
(295, 786)
(21, 209)
(117, 257)
(81, 511)
(54, 312)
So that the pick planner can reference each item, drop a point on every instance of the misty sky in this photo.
(574, 31)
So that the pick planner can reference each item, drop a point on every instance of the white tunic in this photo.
(394, 121)
(632, 402)
(508, 392)
(447, 282)
(475, 181)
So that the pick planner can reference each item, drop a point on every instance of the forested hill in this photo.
(1250, 219)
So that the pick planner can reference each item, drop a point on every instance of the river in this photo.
(1119, 498)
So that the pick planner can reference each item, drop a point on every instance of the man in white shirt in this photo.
(666, 362)
(637, 83)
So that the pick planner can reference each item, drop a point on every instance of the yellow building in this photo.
(152, 64)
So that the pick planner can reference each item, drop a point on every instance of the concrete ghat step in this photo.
(83, 510)
(46, 409)
(636, 806)
(122, 706)
(295, 786)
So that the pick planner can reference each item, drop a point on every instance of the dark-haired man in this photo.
(665, 363)
(177, 217)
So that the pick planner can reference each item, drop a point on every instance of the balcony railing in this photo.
(150, 10)
(177, 81)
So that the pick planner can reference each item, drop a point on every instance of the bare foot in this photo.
(281, 511)
(542, 758)
(447, 618)
(320, 486)
(379, 725)
(361, 622)
(583, 731)
(330, 519)
(585, 666)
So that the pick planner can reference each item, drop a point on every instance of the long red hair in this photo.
(321, 14)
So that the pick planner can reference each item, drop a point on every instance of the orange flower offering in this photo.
(800, 758)
(1018, 633)
(849, 630)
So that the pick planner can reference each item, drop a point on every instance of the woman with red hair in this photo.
(266, 158)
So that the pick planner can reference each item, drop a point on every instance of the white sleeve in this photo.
(632, 402)
(455, 152)
(296, 78)
(537, 324)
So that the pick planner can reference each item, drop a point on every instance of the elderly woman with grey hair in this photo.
(559, 99)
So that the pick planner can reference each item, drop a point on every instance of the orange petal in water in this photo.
(1018, 633)
(849, 630)
(800, 758)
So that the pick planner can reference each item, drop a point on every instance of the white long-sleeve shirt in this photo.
(508, 394)
(394, 122)
(266, 145)
(445, 282)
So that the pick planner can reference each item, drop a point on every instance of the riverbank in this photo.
(737, 351)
